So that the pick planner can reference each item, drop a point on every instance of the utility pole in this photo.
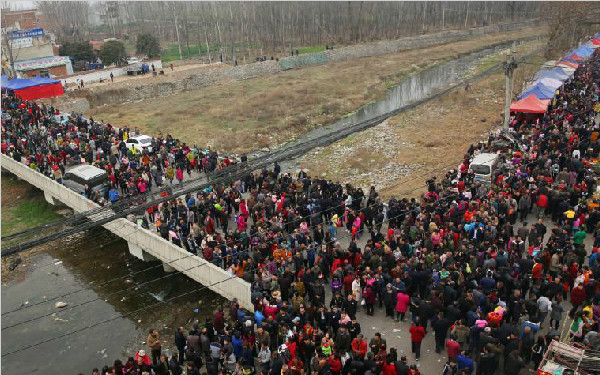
(509, 68)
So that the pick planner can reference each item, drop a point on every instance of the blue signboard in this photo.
(31, 33)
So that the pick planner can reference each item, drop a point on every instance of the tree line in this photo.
(248, 29)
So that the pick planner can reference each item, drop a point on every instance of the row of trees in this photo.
(257, 28)
(569, 23)
(112, 52)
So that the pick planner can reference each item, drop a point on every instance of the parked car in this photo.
(140, 142)
(484, 166)
(132, 60)
(77, 177)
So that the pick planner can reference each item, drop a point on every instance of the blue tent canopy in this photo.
(4, 80)
(570, 60)
(43, 80)
(583, 51)
(18, 84)
(540, 91)
(562, 71)
(547, 73)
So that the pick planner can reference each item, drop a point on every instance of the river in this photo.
(96, 271)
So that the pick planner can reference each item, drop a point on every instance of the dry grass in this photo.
(267, 111)
(433, 137)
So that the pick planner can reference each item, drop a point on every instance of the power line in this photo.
(116, 292)
(153, 305)
(191, 254)
(145, 308)
(279, 155)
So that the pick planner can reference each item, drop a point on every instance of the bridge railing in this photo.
(195, 267)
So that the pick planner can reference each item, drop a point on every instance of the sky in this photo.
(17, 5)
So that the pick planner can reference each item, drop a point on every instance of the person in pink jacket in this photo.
(402, 301)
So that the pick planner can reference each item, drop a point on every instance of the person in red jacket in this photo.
(359, 346)
(538, 268)
(417, 333)
(335, 364)
(542, 204)
(388, 368)
(578, 296)
(452, 348)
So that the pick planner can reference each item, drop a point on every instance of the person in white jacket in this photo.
(544, 308)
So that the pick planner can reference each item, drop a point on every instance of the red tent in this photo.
(575, 57)
(31, 89)
(42, 91)
(530, 104)
(596, 41)
(569, 64)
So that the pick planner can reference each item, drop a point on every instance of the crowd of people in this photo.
(51, 143)
(462, 261)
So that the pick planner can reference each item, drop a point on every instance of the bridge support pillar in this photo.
(139, 253)
(50, 199)
(168, 268)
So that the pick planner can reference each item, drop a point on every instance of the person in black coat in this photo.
(180, 342)
(402, 366)
(175, 365)
(162, 367)
(212, 366)
(488, 362)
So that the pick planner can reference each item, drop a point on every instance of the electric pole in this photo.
(509, 68)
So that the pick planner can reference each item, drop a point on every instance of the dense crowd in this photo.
(50, 143)
(462, 261)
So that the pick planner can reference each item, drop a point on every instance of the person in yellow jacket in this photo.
(170, 173)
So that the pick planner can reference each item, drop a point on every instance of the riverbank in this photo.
(398, 155)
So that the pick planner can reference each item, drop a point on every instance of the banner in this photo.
(31, 33)
(21, 43)
(45, 62)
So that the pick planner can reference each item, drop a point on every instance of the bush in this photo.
(78, 51)
(148, 45)
(112, 52)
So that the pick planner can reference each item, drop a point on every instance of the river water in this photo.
(96, 271)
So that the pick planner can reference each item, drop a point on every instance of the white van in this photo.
(77, 177)
(483, 166)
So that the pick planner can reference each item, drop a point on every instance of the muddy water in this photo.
(416, 87)
(95, 270)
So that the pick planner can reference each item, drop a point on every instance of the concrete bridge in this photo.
(142, 243)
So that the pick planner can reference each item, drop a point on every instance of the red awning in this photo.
(596, 41)
(530, 104)
(569, 64)
(575, 57)
(41, 91)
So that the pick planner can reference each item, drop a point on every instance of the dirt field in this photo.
(399, 155)
(266, 111)
(178, 71)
